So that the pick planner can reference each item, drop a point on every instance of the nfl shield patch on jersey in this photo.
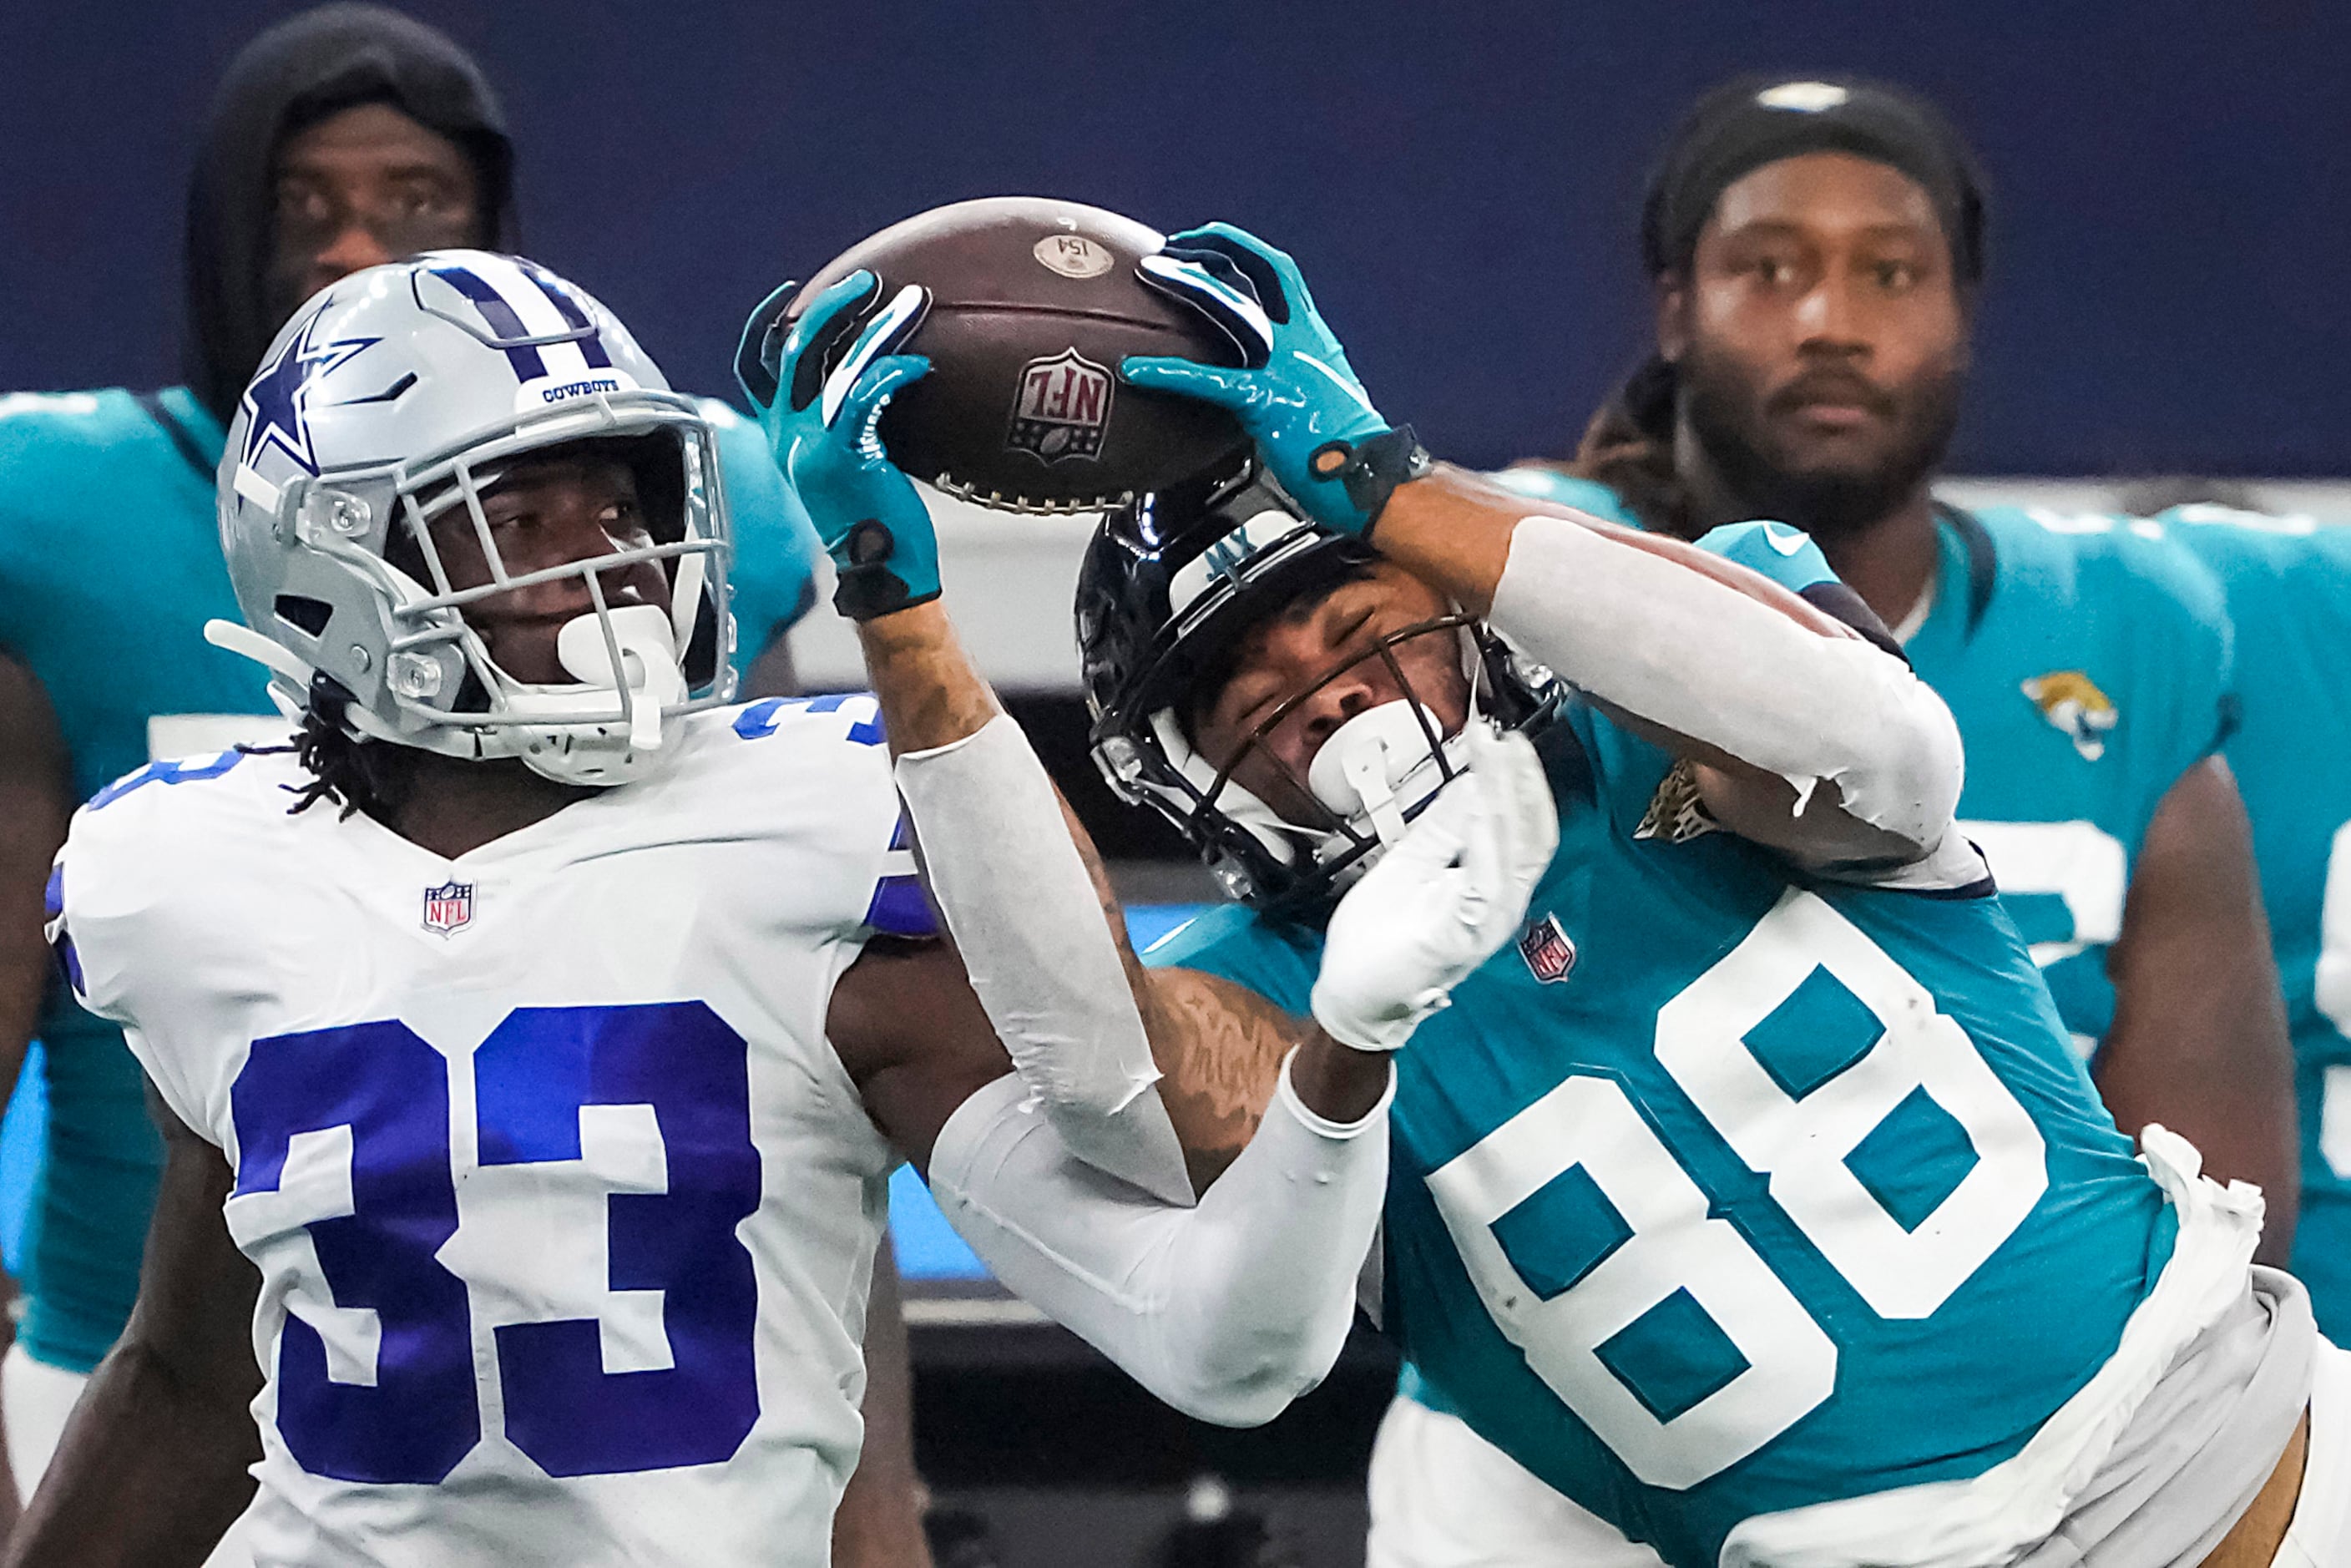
(1544, 944)
(449, 908)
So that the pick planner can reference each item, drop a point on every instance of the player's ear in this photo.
(758, 358)
(1671, 299)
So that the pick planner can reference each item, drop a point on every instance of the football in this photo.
(1033, 303)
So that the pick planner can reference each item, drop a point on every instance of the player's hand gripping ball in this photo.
(1033, 303)
(1295, 393)
(820, 427)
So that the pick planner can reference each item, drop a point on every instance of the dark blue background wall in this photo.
(2172, 240)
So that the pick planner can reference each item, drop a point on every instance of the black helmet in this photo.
(1170, 583)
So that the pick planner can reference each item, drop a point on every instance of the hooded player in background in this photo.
(543, 1029)
(1756, 1202)
(1817, 249)
(2289, 585)
(339, 138)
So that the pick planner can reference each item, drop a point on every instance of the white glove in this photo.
(1442, 901)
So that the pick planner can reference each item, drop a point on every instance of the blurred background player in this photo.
(341, 138)
(1816, 247)
(2288, 579)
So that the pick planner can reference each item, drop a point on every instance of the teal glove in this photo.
(1297, 396)
(820, 432)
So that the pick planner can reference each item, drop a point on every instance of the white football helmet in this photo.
(406, 390)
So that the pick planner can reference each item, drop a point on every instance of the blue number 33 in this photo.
(345, 1132)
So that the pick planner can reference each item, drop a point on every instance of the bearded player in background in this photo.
(1817, 249)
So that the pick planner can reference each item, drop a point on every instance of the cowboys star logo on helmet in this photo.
(467, 362)
(275, 404)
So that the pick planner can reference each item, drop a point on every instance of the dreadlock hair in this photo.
(356, 774)
(1629, 446)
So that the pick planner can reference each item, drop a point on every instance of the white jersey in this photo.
(564, 1208)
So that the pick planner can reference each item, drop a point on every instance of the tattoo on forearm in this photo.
(1220, 1048)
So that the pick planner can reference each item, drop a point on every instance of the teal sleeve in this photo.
(1544, 484)
(2182, 653)
(2208, 635)
(774, 571)
(1278, 962)
(1786, 555)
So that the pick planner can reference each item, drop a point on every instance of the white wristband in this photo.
(1314, 1122)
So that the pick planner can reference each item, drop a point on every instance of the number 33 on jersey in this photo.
(568, 1192)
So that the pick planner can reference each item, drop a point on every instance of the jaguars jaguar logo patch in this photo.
(2073, 705)
(1677, 812)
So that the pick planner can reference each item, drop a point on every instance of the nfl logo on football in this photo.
(1062, 407)
(1545, 947)
(449, 908)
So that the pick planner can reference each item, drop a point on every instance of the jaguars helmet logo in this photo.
(2073, 703)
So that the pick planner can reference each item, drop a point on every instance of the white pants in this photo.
(1443, 1496)
(35, 1398)
(2320, 1535)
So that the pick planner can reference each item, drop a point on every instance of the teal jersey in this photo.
(1726, 1191)
(773, 574)
(1567, 490)
(2289, 587)
(2087, 663)
(109, 567)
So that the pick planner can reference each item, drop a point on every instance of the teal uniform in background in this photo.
(109, 567)
(2289, 587)
(1912, 1312)
(2087, 663)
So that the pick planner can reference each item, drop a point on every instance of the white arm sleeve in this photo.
(999, 858)
(1697, 656)
(1227, 1310)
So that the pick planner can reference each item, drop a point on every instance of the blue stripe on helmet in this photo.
(501, 316)
(592, 347)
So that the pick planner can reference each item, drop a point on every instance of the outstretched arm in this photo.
(1013, 873)
(1227, 1309)
(152, 1467)
(1803, 737)
(36, 800)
